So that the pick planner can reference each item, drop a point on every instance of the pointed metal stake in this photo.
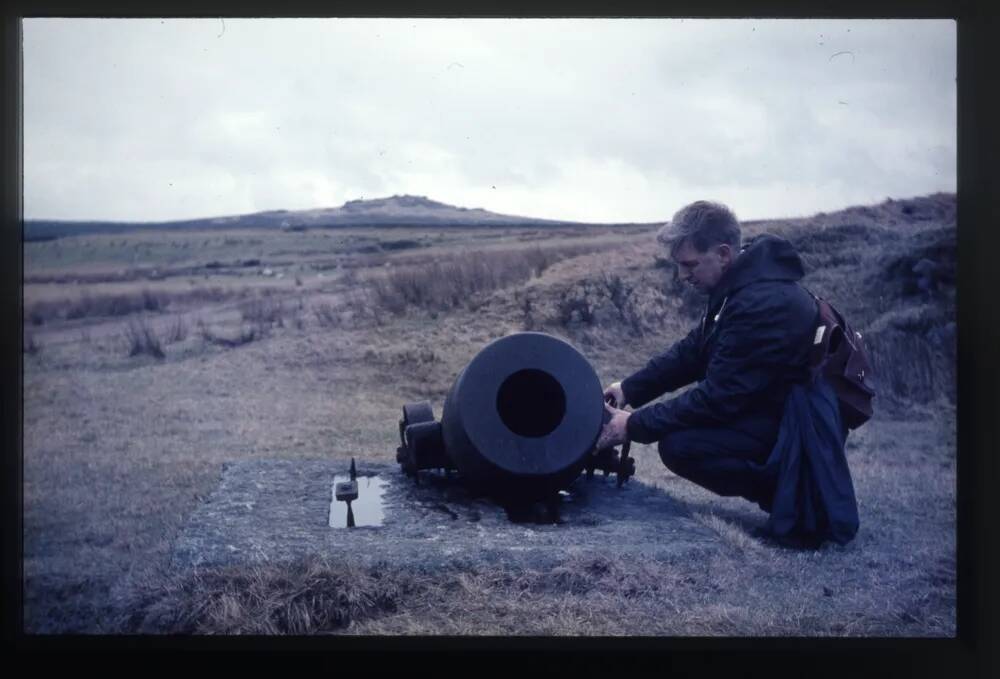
(345, 491)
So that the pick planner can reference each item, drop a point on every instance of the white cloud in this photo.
(618, 120)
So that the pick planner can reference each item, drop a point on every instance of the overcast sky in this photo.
(583, 119)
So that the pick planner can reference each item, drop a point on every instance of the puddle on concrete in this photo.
(367, 509)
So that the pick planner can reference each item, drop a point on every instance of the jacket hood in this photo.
(765, 258)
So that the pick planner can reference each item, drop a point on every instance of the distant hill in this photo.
(393, 211)
(937, 208)
(418, 211)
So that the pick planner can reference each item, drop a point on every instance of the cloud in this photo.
(618, 120)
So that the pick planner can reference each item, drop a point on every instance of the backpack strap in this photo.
(825, 327)
(829, 335)
(839, 354)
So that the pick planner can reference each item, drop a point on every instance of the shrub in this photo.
(574, 308)
(152, 302)
(88, 306)
(298, 321)
(247, 334)
(692, 303)
(913, 353)
(141, 339)
(326, 315)
(177, 331)
(447, 284)
(263, 314)
(610, 301)
(360, 304)
(528, 321)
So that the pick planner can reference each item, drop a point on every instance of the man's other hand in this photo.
(614, 391)
(614, 432)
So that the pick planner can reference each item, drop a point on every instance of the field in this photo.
(153, 359)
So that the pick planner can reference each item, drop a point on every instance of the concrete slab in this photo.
(276, 510)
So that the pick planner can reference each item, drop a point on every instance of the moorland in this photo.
(152, 357)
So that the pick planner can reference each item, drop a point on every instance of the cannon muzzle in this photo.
(520, 420)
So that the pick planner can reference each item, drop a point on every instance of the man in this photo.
(750, 348)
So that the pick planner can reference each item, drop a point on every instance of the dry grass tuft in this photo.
(90, 305)
(311, 596)
(246, 335)
(96, 305)
(326, 315)
(263, 313)
(141, 338)
(913, 352)
(177, 331)
(731, 534)
(447, 284)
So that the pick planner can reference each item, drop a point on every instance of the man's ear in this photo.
(726, 254)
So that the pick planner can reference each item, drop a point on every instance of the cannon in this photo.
(520, 422)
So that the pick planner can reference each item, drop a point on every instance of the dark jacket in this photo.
(814, 495)
(750, 348)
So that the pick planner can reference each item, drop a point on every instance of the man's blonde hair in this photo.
(703, 224)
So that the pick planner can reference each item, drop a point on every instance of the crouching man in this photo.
(750, 348)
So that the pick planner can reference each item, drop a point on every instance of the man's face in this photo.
(702, 270)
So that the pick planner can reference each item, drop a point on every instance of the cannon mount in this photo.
(520, 423)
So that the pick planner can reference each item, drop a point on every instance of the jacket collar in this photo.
(764, 258)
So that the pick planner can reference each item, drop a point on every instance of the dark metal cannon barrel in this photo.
(520, 420)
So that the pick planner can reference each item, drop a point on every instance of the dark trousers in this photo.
(725, 460)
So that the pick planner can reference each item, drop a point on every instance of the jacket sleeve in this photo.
(677, 366)
(747, 360)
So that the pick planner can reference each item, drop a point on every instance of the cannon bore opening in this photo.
(531, 403)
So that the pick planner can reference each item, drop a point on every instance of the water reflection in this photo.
(367, 509)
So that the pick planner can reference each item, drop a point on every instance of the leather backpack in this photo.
(839, 355)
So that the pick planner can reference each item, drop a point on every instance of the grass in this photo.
(326, 315)
(744, 589)
(118, 452)
(311, 596)
(245, 335)
(31, 346)
(448, 283)
(263, 314)
(109, 305)
(141, 339)
(178, 330)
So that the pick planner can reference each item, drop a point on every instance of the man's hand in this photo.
(614, 432)
(614, 391)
